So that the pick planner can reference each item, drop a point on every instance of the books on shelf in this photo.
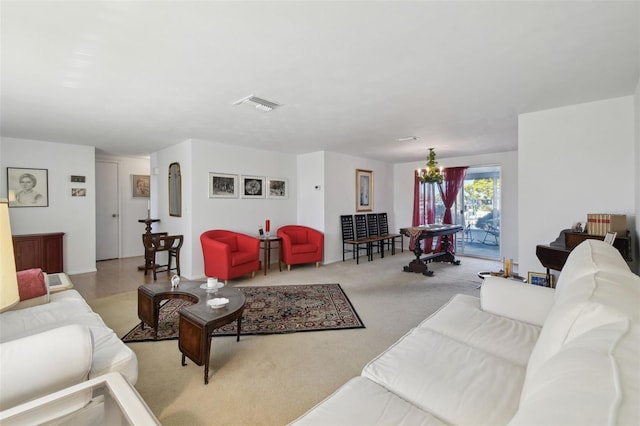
(602, 223)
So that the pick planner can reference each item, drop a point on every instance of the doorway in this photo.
(107, 211)
(478, 206)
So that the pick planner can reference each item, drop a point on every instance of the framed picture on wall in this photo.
(277, 188)
(28, 187)
(252, 187)
(222, 185)
(364, 190)
(140, 186)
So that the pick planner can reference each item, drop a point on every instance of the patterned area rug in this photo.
(269, 310)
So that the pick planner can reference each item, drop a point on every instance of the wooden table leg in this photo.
(206, 358)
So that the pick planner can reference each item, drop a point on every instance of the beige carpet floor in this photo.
(272, 380)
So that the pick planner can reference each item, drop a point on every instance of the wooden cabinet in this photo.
(43, 251)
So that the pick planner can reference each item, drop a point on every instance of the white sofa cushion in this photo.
(452, 380)
(64, 308)
(37, 365)
(594, 379)
(67, 308)
(363, 402)
(463, 320)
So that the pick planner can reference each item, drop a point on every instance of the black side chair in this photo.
(383, 227)
(349, 239)
(363, 235)
(171, 244)
(374, 233)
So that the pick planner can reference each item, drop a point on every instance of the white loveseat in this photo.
(56, 344)
(519, 355)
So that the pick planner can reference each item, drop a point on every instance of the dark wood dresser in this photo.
(43, 251)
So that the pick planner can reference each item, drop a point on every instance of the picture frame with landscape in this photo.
(277, 188)
(223, 185)
(364, 190)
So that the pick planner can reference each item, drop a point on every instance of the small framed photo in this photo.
(364, 190)
(277, 188)
(222, 185)
(78, 192)
(140, 186)
(78, 179)
(610, 237)
(540, 278)
(28, 187)
(252, 187)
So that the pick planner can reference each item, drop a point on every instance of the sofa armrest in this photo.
(522, 302)
(42, 363)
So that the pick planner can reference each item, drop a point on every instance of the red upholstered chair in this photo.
(301, 244)
(229, 254)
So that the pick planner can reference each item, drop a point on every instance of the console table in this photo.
(419, 233)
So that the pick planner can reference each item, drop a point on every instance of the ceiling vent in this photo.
(259, 103)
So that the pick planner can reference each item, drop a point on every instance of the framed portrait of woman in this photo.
(27, 187)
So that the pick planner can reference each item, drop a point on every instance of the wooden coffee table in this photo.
(197, 321)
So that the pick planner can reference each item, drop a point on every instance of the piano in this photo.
(555, 254)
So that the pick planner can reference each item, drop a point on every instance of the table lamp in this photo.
(9, 295)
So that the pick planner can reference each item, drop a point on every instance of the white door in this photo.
(107, 213)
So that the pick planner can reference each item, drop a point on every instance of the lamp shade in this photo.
(9, 295)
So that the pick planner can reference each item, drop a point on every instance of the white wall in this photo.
(130, 209)
(75, 216)
(200, 213)
(311, 201)
(508, 162)
(340, 196)
(573, 161)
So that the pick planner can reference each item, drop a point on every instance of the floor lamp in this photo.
(9, 295)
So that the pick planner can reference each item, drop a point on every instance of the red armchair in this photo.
(229, 254)
(301, 244)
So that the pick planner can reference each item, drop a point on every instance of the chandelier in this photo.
(431, 174)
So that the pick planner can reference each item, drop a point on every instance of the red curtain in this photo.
(430, 211)
(453, 181)
(424, 208)
(415, 219)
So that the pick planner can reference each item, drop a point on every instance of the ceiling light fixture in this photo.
(259, 103)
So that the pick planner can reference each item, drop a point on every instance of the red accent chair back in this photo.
(301, 244)
(229, 254)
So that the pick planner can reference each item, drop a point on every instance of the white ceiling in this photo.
(134, 77)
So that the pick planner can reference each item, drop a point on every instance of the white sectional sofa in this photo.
(50, 346)
(519, 355)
